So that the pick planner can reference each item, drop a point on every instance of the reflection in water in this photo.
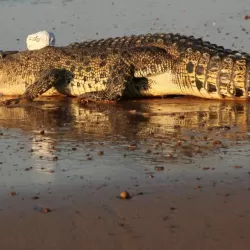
(133, 119)
(43, 153)
(170, 129)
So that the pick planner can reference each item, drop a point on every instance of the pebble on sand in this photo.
(125, 195)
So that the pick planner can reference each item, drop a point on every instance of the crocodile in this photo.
(135, 66)
(6, 53)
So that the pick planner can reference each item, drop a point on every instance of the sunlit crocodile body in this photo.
(134, 66)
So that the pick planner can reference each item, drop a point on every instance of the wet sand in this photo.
(75, 160)
(184, 161)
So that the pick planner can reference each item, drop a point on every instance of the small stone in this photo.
(205, 168)
(46, 210)
(159, 168)
(132, 147)
(140, 193)
(55, 158)
(237, 166)
(124, 195)
(217, 142)
(12, 194)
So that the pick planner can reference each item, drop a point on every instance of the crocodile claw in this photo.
(91, 97)
(87, 101)
(14, 101)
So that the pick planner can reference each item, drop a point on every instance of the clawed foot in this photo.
(14, 102)
(91, 97)
(95, 97)
(87, 101)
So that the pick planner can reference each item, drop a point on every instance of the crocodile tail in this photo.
(211, 72)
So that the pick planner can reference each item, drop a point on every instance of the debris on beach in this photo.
(55, 158)
(237, 166)
(125, 195)
(46, 210)
(42, 209)
(132, 147)
(159, 168)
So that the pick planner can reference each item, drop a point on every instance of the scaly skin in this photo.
(6, 53)
(144, 65)
(73, 71)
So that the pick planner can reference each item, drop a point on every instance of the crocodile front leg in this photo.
(120, 74)
(3, 54)
(46, 80)
(142, 61)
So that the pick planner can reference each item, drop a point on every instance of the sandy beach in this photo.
(183, 161)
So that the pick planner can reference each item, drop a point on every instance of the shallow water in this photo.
(176, 133)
